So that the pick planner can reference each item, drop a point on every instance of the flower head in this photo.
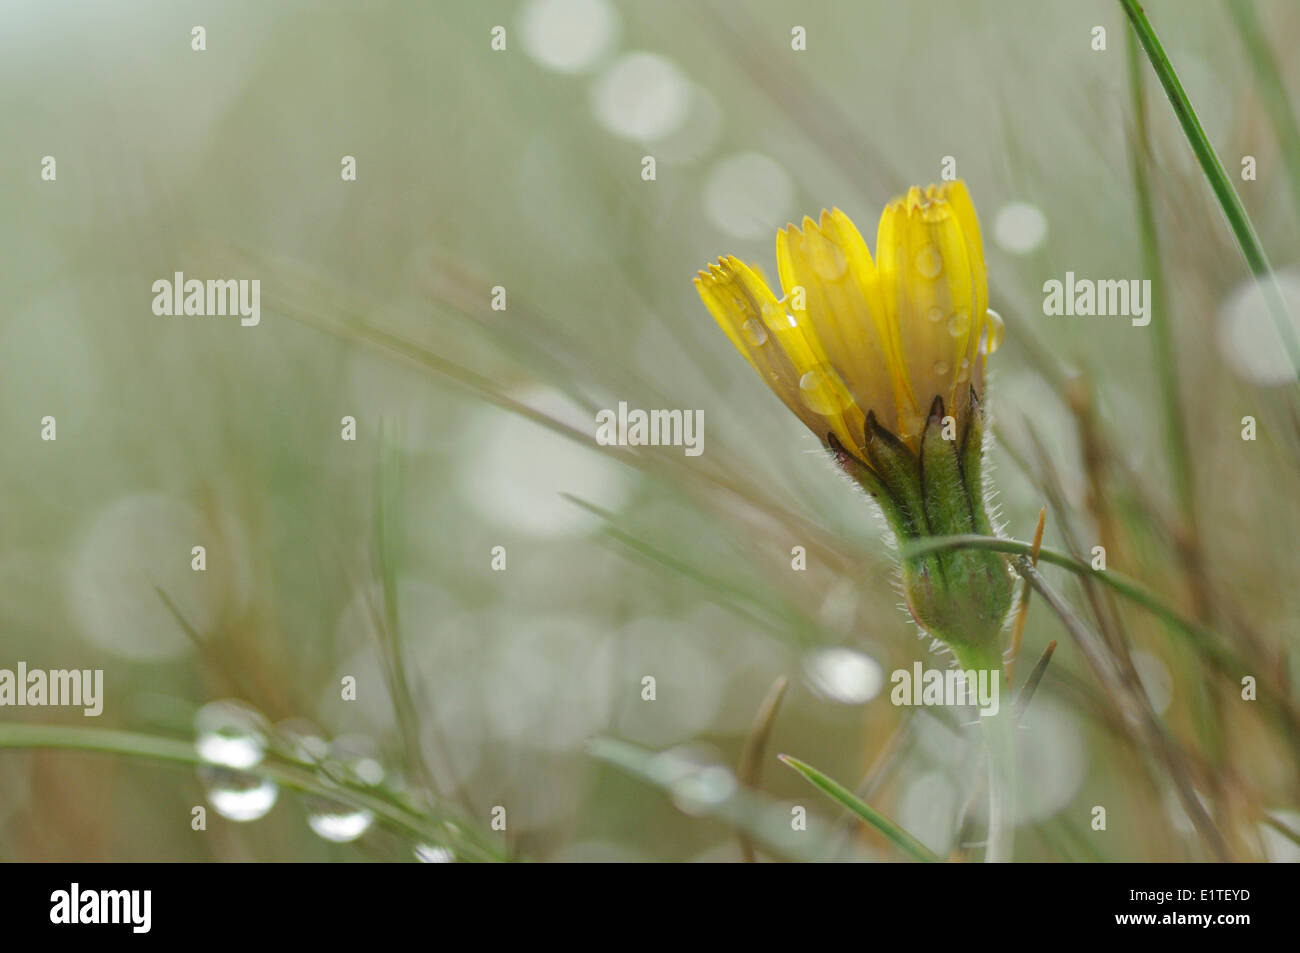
(853, 336)
(884, 361)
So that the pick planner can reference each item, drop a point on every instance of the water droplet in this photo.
(997, 330)
(350, 758)
(941, 368)
(301, 740)
(428, 854)
(774, 313)
(755, 332)
(230, 733)
(706, 788)
(935, 315)
(963, 371)
(826, 257)
(959, 324)
(823, 391)
(693, 777)
(337, 823)
(929, 262)
(238, 795)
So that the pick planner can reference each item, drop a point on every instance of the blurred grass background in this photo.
(522, 169)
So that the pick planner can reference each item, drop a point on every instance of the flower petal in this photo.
(757, 325)
(928, 288)
(841, 292)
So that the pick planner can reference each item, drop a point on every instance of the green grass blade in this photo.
(847, 799)
(291, 775)
(1162, 320)
(1242, 227)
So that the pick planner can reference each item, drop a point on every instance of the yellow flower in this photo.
(852, 336)
(875, 357)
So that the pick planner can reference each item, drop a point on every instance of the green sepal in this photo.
(943, 489)
(972, 464)
(965, 603)
(900, 472)
(998, 579)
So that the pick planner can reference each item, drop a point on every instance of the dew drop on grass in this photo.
(301, 740)
(238, 795)
(350, 758)
(705, 788)
(229, 734)
(337, 823)
(428, 854)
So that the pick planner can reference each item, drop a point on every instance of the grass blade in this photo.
(293, 776)
(847, 799)
(1242, 227)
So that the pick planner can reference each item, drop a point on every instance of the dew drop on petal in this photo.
(963, 371)
(935, 315)
(941, 368)
(997, 330)
(826, 257)
(959, 324)
(755, 332)
(775, 314)
(823, 391)
(929, 262)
